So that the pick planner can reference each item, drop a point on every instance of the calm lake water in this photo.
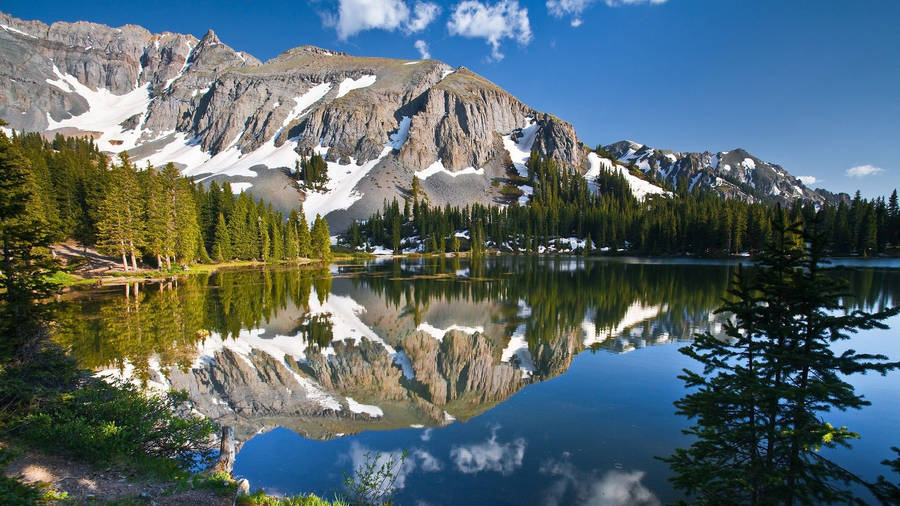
(509, 381)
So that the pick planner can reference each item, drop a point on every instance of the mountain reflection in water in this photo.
(403, 343)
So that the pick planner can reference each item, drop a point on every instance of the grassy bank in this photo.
(60, 427)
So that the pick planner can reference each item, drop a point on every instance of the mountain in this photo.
(222, 115)
(731, 174)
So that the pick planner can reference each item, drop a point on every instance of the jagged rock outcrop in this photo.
(461, 364)
(364, 367)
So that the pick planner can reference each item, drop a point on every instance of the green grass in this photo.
(259, 498)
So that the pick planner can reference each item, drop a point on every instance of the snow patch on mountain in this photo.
(303, 102)
(398, 138)
(368, 409)
(349, 84)
(520, 150)
(240, 187)
(106, 111)
(438, 167)
(17, 31)
(636, 313)
(340, 191)
(517, 349)
(639, 188)
(440, 333)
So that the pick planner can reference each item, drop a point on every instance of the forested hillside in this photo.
(565, 214)
(155, 214)
(158, 216)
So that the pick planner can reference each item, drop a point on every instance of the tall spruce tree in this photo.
(321, 239)
(759, 402)
(25, 260)
(304, 241)
(120, 226)
(222, 243)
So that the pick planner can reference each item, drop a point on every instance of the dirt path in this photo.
(85, 484)
(91, 263)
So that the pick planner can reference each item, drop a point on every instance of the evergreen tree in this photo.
(160, 239)
(304, 241)
(758, 402)
(321, 240)
(120, 226)
(25, 260)
(222, 243)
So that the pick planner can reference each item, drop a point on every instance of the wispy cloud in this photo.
(491, 22)
(418, 459)
(489, 455)
(864, 170)
(613, 488)
(575, 8)
(354, 16)
(422, 48)
(423, 14)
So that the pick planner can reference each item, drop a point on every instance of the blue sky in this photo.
(813, 85)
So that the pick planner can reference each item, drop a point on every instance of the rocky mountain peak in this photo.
(221, 114)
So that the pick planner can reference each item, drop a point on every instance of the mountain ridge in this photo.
(223, 115)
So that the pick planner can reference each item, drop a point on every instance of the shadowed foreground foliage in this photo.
(761, 400)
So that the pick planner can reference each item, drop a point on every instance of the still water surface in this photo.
(514, 380)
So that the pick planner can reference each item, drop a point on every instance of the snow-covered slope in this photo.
(639, 187)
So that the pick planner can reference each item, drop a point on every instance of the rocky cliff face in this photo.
(220, 114)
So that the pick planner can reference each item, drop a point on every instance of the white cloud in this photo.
(491, 22)
(423, 14)
(574, 8)
(361, 456)
(355, 16)
(614, 488)
(808, 180)
(427, 461)
(490, 455)
(863, 171)
(422, 47)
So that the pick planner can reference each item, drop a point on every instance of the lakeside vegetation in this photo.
(156, 216)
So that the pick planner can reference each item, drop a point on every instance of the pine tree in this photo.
(321, 240)
(759, 400)
(222, 243)
(186, 219)
(291, 243)
(396, 234)
(25, 260)
(304, 241)
(160, 239)
(120, 227)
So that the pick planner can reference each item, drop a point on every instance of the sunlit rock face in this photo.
(221, 114)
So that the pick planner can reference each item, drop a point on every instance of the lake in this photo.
(513, 380)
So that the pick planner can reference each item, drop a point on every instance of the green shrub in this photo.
(102, 423)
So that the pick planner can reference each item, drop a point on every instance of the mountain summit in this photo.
(222, 115)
